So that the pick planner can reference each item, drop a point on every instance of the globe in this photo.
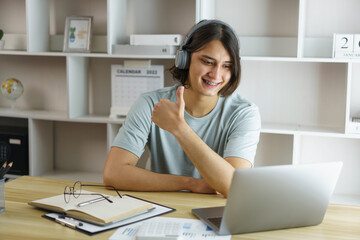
(12, 89)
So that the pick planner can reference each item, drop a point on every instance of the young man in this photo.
(198, 132)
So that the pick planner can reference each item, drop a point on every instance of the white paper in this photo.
(191, 229)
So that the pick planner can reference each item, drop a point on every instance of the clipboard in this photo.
(91, 228)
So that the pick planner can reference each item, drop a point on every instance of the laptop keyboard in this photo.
(215, 220)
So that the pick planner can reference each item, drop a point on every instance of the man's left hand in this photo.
(167, 114)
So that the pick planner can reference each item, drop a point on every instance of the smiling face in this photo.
(210, 69)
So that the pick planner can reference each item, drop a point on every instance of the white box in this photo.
(144, 49)
(156, 39)
(354, 128)
(343, 45)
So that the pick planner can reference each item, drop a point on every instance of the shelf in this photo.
(97, 119)
(90, 55)
(129, 56)
(274, 128)
(34, 114)
(57, 116)
(292, 129)
(300, 59)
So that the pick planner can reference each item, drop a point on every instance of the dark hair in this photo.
(204, 35)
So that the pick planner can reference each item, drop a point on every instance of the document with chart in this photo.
(190, 229)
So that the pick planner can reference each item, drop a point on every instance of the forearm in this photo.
(136, 179)
(213, 168)
(120, 171)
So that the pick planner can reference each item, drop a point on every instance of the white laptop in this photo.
(275, 197)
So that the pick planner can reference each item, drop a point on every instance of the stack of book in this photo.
(150, 44)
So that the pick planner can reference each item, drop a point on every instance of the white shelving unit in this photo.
(306, 98)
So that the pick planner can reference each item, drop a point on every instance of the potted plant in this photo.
(2, 42)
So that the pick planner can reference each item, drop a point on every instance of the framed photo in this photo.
(78, 33)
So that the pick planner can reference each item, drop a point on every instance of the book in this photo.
(144, 49)
(156, 39)
(101, 213)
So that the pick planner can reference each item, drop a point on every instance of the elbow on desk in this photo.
(108, 178)
(116, 176)
(224, 193)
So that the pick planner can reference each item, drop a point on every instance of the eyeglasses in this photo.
(75, 190)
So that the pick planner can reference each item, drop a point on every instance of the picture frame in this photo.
(78, 34)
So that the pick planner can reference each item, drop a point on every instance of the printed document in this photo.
(191, 229)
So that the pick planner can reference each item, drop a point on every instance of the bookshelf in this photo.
(306, 98)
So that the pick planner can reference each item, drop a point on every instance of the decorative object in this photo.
(354, 125)
(2, 42)
(346, 46)
(78, 34)
(12, 89)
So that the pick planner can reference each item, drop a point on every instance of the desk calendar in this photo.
(346, 46)
(127, 83)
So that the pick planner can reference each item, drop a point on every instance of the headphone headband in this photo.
(182, 58)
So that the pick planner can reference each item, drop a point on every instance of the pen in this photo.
(66, 222)
(91, 201)
(4, 169)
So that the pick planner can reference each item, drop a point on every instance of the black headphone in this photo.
(182, 58)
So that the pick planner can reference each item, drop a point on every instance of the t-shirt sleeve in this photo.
(134, 133)
(244, 134)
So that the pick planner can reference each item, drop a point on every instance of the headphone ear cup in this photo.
(182, 59)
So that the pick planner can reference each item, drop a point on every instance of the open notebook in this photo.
(101, 213)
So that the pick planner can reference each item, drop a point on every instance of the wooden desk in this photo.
(21, 221)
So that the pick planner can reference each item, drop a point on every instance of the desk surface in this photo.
(21, 221)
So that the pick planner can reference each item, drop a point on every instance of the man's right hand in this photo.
(201, 186)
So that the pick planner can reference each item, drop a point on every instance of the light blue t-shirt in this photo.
(231, 129)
